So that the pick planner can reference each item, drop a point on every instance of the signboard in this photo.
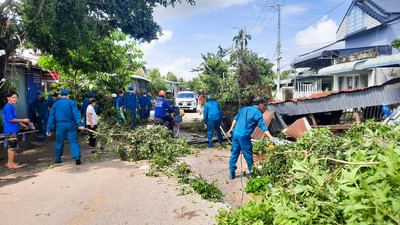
(36, 78)
(49, 76)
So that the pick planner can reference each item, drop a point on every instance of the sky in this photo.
(189, 31)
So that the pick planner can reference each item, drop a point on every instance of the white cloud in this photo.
(181, 67)
(148, 47)
(317, 36)
(161, 13)
(290, 10)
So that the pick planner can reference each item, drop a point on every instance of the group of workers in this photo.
(128, 104)
(63, 114)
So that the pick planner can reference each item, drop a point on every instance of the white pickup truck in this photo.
(186, 100)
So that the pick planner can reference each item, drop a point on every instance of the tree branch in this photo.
(4, 5)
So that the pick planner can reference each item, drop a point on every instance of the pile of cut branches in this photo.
(328, 179)
(152, 143)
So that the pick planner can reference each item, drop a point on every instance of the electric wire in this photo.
(315, 20)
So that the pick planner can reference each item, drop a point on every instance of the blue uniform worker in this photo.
(243, 126)
(65, 114)
(143, 105)
(149, 106)
(130, 105)
(50, 99)
(118, 104)
(84, 106)
(41, 110)
(212, 119)
(160, 105)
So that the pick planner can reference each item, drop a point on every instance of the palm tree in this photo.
(238, 39)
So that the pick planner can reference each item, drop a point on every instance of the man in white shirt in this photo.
(91, 121)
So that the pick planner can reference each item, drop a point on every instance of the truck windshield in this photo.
(185, 95)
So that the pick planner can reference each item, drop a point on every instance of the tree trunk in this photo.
(76, 74)
(3, 66)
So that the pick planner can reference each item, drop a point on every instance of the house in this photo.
(27, 79)
(139, 83)
(367, 59)
(172, 86)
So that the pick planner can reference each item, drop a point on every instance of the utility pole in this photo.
(278, 60)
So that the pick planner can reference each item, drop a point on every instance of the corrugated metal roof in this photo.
(388, 60)
(258, 133)
(340, 68)
(273, 121)
(388, 93)
(388, 6)
(394, 118)
(297, 128)
(139, 78)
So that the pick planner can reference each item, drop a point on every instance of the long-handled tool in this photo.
(225, 134)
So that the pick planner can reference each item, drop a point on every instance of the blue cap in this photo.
(144, 92)
(91, 95)
(39, 92)
(64, 92)
(130, 88)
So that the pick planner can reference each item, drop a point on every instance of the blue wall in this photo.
(381, 35)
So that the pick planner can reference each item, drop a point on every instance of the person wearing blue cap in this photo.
(212, 119)
(149, 105)
(65, 114)
(143, 104)
(131, 105)
(243, 126)
(41, 110)
(119, 103)
(84, 106)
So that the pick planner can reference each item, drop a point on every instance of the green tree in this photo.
(238, 39)
(157, 82)
(285, 74)
(181, 80)
(396, 43)
(153, 74)
(172, 77)
(95, 65)
(59, 27)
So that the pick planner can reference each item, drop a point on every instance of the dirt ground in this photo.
(109, 191)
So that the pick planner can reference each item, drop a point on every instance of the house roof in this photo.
(340, 68)
(139, 78)
(387, 93)
(378, 9)
(386, 6)
(382, 61)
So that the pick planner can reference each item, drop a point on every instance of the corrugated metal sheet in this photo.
(389, 60)
(385, 94)
(258, 133)
(394, 118)
(273, 121)
(297, 128)
(340, 68)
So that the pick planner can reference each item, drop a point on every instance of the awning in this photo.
(341, 68)
(389, 60)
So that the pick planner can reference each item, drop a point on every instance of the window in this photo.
(364, 80)
(357, 82)
(341, 83)
(185, 95)
(355, 19)
(350, 82)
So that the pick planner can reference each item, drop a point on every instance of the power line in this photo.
(259, 16)
(315, 20)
